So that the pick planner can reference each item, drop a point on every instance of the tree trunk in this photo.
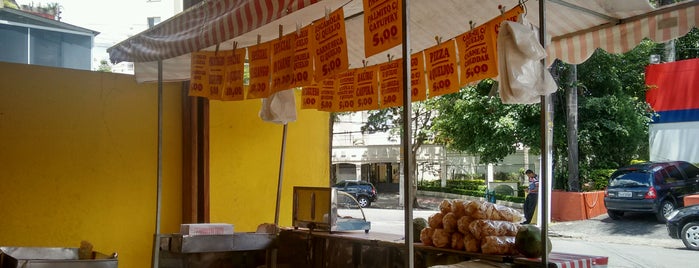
(572, 126)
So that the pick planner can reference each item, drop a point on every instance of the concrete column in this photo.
(358, 167)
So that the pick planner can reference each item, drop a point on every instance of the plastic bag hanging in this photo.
(523, 77)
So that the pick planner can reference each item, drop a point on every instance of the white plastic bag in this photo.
(523, 78)
(279, 108)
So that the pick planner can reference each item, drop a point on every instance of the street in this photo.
(635, 241)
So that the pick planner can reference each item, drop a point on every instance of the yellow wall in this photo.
(245, 155)
(78, 161)
(78, 154)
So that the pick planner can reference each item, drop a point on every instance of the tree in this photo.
(390, 120)
(104, 67)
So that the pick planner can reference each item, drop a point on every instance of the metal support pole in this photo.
(156, 236)
(546, 145)
(281, 175)
(407, 140)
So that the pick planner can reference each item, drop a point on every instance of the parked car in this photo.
(363, 191)
(684, 224)
(654, 187)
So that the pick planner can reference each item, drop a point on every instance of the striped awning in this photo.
(575, 27)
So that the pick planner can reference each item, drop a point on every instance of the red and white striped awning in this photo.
(576, 27)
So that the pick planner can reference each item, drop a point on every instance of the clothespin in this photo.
(216, 52)
(298, 28)
(438, 39)
(472, 24)
(259, 39)
(235, 45)
(365, 62)
(327, 13)
(502, 9)
(390, 57)
(281, 30)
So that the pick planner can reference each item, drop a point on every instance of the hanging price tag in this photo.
(303, 57)
(310, 97)
(235, 67)
(260, 61)
(345, 96)
(367, 89)
(199, 78)
(391, 78)
(282, 62)
(331, 51)
(327, 95)
(478, 54)
(216, 71)
(442, 76)
(382, 25)
(417, 77)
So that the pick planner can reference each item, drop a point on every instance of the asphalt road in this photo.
(637, 240)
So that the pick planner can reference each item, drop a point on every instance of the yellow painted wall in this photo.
(78, 154)
(78, 161)
(245, 154)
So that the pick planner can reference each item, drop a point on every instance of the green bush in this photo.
(466, 184)
(506, 176)
(597, 179)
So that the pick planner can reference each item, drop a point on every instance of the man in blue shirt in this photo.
(532, 196)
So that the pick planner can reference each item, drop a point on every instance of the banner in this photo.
(478, 54)
(283, 62)
(418, 92)
(233, 88)
(391, 78)
(345, 95)
(441, 69)
(382, 25)
(310, 97)
(327, 95)
(331, 52)
(674, 91)
(259, 71)
(303, 59)
(367, 89)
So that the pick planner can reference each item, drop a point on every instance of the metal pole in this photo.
(407, 141)
(546, 144)
(281, 175)
(156, 236)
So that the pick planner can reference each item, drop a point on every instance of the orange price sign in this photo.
(344, 97)
(216, 69)
(478, 54)
(367, 89)
(199, 76)
(327, 95)
(283, 62)
(310, 96)
(382, 25)
(441, 69)
(417, 77)
(303, 57)
(391, 83)
(235, 67)
(331, 51)
(260, 62)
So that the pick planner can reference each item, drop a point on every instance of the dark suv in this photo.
(363, 191)
(655, 187)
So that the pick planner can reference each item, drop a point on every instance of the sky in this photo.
(116, 20)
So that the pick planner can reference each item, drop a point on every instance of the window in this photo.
(152, 21)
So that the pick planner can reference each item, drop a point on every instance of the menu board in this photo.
(260, 61)
(303, 57)
(442, 76)
(310, 97)
(382, 25)
(327, 95)
(235, 68)
(391, 78)
(331, 46)
(344, 97)
(283, 62)
(367, 89)
(418, 91)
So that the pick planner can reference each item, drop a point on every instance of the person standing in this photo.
(532, 196)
